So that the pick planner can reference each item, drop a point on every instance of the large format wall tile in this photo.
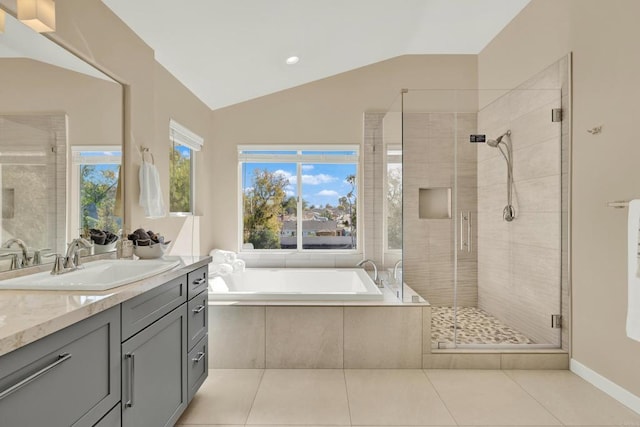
(236, 337)
(382, 337)
(519, 263)
(304, 337)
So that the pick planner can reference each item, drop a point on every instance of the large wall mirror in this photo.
(60, 148)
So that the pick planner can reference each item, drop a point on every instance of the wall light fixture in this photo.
(40, 15)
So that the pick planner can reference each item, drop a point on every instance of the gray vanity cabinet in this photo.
(164, 333)
(137, 364)
(154, 380)
(69, 378)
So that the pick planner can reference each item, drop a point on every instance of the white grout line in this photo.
(424, 372)
(506, 373)
(253, 401)
(346, 390)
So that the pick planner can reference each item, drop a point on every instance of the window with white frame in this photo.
(94, 177)
(302, 198)
(393, 199)
(183, 146)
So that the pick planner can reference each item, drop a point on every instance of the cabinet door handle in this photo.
(131, 358)
(200, 281)
(198, 309)
(201, 355)
(17, 386)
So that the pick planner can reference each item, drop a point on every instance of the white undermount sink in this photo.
(93, 276)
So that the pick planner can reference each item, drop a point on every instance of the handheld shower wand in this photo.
(508, 213)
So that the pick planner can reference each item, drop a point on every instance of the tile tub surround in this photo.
(311, 336)
(397, 397)
(26, 316)
(319, 334)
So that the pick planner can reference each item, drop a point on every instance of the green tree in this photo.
(290, 205)
(97, 198)
(353, 215)
(394, 209)
(263, 205)
(328, 214)
(180, 179)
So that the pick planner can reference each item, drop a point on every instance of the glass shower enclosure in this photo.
(484, 190)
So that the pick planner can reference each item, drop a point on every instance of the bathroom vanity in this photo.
(135, 357)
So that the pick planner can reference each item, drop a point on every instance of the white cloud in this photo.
(307, 167)
(318, 179)
(328, 193)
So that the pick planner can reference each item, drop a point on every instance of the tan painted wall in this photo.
(327, 111)
(603, 36)
(30, 86)
(90, 29)
(173, 101)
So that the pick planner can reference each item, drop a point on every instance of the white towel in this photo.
(220, 256)
(220, 269)
(633, 309)
(150, 191)
(238, 265)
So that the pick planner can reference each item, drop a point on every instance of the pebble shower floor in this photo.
(475, 326)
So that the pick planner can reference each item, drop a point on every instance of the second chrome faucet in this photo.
(71, 260)
(376, 278)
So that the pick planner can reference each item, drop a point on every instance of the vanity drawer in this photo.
(198, 281)
(143, 310)
(198, 362)
(69, 378)
(198, 319)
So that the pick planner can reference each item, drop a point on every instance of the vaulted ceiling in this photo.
(230, 51)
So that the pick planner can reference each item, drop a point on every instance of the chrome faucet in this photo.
(72, 257)
(376, 279)
(395, 269)
(71, 260)
(25, 258)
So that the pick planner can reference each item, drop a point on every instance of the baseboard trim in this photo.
(620, 394)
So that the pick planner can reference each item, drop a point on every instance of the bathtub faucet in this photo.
(376, 279)
(397, 265)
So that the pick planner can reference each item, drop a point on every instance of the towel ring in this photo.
(146, 150)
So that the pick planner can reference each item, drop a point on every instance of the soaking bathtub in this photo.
(350, 284)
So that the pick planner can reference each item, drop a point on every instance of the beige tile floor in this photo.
(401, 397)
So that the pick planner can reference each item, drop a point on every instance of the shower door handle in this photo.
(461, 230)
(465, 231)
(469, 231)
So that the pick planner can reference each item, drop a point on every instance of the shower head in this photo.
(494, 142)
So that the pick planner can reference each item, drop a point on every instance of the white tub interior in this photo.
(295, 284)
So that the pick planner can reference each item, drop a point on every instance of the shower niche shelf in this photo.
(434, 203)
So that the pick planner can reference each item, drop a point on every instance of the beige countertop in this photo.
(26, 316)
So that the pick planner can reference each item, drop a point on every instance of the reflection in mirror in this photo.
(60, 147)
(31, 173)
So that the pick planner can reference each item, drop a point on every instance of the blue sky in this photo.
(321, 183)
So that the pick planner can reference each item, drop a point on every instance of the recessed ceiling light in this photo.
(292, 60)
